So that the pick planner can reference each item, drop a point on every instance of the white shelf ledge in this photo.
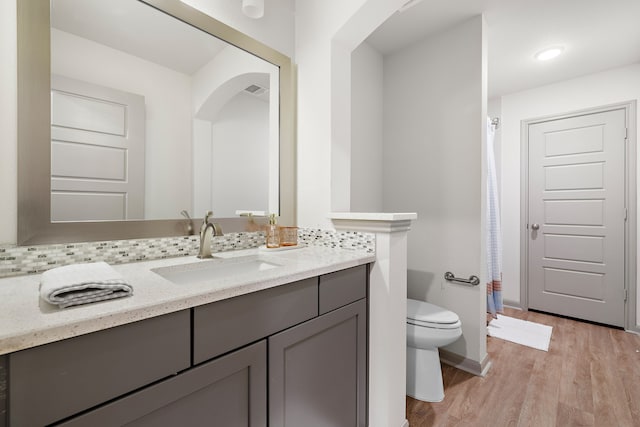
(373, 222)
(374, 216)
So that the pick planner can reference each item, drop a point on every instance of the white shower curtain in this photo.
(494, 240)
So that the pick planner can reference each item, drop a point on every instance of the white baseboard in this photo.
(634, 330)
(513, 304)
(405, 423)
(472, 366)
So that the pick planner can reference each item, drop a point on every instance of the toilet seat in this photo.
(426, 315)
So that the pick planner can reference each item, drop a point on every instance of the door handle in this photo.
(535, 226)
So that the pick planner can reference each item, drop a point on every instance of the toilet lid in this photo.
(426, 314)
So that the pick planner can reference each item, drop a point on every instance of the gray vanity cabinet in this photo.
(3, 391)
(317, 371)
(291, 355)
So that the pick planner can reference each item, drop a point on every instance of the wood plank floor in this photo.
(589, 377)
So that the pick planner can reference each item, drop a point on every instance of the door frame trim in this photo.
(630, 200)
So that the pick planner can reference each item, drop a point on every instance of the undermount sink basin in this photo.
(203, 271)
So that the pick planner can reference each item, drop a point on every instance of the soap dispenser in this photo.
(273, 233)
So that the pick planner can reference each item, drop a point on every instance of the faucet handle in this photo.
(185, 214)
(205, 222)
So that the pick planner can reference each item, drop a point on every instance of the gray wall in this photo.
(434, 131)
(366, 129)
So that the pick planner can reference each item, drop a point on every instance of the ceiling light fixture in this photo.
(549, 53)
(253, 8)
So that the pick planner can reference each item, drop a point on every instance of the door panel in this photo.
(97, 152)
(73, 160)
(574, 177)
(88, 114)
(569, 282)
(78, 206)
(576, 196)
(574, 212)
(574, 141)
(574, 248)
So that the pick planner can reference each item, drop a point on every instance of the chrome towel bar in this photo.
(471, 281)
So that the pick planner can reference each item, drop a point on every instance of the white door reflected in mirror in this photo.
(211, 112)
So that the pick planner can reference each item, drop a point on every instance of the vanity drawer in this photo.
(225, 325)
(53, 381)
(342, 287)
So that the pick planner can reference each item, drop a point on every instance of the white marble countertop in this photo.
(27, 321)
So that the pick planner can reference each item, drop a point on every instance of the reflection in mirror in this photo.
(151, 116)
(173, 176)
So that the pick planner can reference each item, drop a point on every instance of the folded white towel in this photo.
(82, 283)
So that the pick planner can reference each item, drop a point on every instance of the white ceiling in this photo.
(596, 34)
(139, 30)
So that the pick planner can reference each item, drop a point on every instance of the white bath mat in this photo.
(520, 332)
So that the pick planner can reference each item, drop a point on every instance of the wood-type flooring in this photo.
(589, 377)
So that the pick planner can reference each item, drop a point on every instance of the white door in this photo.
(576, 217)
(97, 152)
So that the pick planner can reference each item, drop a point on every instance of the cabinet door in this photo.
(230, 391)
(317, 371)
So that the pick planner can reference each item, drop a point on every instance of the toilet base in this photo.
(424, 374)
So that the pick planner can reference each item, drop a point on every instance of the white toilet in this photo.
(428, 327)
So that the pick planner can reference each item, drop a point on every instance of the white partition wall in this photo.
(387, 312)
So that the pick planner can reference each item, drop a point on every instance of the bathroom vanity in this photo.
(275, 352)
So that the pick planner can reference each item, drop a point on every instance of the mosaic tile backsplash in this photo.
(15, 261)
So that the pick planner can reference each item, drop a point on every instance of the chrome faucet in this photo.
(207, 231)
